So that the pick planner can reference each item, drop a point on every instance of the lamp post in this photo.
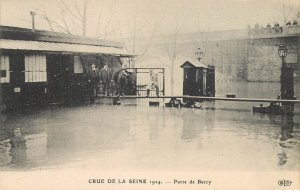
(282, 52)
(286, 80)
(199, 54)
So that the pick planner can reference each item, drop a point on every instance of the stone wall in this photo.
(252, 59)
(263, 62)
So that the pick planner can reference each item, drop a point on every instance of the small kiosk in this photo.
(198, 79)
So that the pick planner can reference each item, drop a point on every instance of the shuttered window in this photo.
(4, 69)
(35, 68)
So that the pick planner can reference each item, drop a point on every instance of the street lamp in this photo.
(199, 54)
(282, 51)
(286, 80)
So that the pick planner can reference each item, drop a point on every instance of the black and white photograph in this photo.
(150, 94)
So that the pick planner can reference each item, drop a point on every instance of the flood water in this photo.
(131, 138)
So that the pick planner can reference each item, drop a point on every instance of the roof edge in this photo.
(17, 33)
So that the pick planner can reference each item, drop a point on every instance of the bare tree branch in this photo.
(66, 25)
(172, 52)
(121, 35)
(66, 7)
(98, 23)
(77, 9)
(44, 15)
(78, 25)
(148, 44)
(84, 18)
(61, 28)
(166, 46)
(103, 36)
(109, 21)
(49, 22)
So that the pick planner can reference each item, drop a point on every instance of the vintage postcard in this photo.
(149, 94)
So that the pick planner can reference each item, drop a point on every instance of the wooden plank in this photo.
(210, 98)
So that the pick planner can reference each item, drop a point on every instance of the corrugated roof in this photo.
(60, 47)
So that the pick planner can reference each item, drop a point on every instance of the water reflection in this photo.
(18, 148)
(188, 129)
(287, 124)
(136, 138)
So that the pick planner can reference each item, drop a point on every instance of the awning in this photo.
(61, 47)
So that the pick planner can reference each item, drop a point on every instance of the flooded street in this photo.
(130, 138)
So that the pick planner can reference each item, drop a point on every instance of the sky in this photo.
(115, 19)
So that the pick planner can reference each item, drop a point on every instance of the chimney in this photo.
(32, 16)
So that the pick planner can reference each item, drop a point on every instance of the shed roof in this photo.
(61, 47)
(16, 33)
(192, 62)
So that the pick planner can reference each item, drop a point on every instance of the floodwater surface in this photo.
(130, 138)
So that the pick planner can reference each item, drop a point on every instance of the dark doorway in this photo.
(13, 92)
(59, 73)
(198, 80)
(210, 87)
(189, 82)
(17, 67)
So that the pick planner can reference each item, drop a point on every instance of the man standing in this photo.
(105, 78)
(153, 83)
(93, 78)
(122, 80)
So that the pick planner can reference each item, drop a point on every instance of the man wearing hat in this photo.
(105, 78)
(93, 79)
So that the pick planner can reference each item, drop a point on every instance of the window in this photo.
(35, 68)
(4, 69)
(77, 65)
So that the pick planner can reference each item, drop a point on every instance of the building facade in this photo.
(42, 67)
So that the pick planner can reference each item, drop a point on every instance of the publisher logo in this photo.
(284, 182)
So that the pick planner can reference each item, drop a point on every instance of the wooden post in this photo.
(164, 87)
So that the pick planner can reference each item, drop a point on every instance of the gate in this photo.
(146, 78)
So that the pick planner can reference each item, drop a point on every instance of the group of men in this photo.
(106, 82)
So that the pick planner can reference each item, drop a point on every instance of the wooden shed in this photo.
(198, 79)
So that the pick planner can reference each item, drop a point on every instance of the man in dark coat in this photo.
(93, 78)
(120, 79)
(105, 78)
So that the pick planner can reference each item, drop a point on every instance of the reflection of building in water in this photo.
(88, 132)
(287, 124)
(18, 148)
(5, 158)
(155, 124)
(189, 130)
(286, 127)
(36, 147)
